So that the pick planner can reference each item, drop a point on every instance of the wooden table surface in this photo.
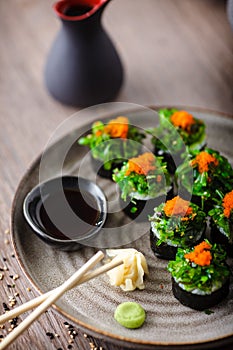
(174, 52)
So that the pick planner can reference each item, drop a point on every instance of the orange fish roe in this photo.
(117, 128)
(227, 204)
(177, 207)
(201, 254)
(96, 125)
(183, 120)
(98, 133)
(141, 165)
(203, 160)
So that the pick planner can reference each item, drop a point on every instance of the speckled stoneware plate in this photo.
(91, 305)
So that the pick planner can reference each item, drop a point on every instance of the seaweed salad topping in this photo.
(178, 221)
(222, 215)
(200, 270)
(141, 177)
(116, 140)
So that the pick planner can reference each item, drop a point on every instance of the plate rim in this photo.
(105, 335)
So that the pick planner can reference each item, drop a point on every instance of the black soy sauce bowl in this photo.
(66, 212)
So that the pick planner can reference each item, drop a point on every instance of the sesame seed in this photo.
(50, 335)
(28, 289)
(6, 308)
(85, 335)
(15, 277)
(1, 276)
(14, 321)
(7, 231)
(6, 241)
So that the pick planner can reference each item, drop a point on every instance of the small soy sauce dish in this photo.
(66, 212)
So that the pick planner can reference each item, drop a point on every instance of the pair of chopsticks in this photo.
(44, 301)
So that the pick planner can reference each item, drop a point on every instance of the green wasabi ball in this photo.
(130, 315)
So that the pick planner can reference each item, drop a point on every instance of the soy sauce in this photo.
(77, 10)
(58, 223)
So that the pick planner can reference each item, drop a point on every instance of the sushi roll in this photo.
(178, 131)
(176, 223)
(144, 183)
(221, 222)
(200, 276)
(203, 175)
(112, 143)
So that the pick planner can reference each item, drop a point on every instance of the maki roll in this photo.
(221, 222)
(203, 175)
(178, 131)
(144, 183)
(200, 276)
(112, 143)
(176, 223)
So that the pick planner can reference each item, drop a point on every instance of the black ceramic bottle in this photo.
(83, 67)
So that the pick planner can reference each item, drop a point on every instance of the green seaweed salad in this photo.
(176, 130)
(114, 141)
(143, 177)
(178, 222)
(222, 215)
(202, 268)
(211, 173)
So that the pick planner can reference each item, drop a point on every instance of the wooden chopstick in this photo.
(38, 300)
(52, 296)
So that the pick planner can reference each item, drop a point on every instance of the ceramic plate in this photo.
(91, 305)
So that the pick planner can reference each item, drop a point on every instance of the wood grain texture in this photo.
(174, 52)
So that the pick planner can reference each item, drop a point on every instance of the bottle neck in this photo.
(79, 10)
(87, 26)
(84, 15)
